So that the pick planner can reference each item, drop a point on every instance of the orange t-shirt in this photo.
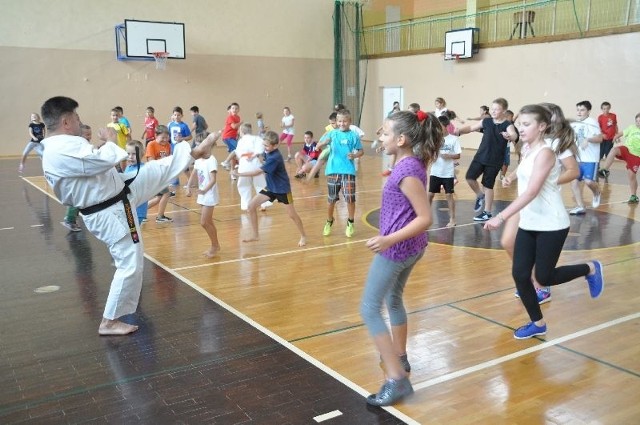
(155, 150)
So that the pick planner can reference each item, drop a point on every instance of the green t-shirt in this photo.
(632, 139)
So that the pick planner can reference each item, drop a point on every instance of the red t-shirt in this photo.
(230, 132)
(150, 125)
(608, 126)
(422, 115)
(156, 151)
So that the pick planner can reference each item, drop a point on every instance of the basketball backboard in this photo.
(138, 40)
(461, 44)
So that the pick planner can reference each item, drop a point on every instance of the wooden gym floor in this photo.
(269, 333)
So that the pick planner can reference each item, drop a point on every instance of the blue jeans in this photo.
(385, 282)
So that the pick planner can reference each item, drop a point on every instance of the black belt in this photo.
(122, 196)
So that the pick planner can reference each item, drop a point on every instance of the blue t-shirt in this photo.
(125, 121)
(276, 173)
(141, 210)
(178, 128)
(342, 143)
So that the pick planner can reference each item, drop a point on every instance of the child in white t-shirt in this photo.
(443, 170)
(205, 170)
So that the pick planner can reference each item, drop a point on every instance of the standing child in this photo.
(36, 133)
(156, 150)
(405, 216)
(288, 130)
(441, 106)
(345, 147)
(199, 126)
(179, 131)
(608, 123)
(122, 131)
(121, 118)
(260, 124)
(230, 135)
(443, 170)
(150, 124)
(278, 187)
(133, 165)
(205, 170)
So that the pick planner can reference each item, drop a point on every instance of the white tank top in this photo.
(546, 211)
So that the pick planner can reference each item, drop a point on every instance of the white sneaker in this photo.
(577, 211)
(595, 202)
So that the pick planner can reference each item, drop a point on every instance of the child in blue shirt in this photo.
(345, 147)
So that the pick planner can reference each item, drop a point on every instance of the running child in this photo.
(278, 187)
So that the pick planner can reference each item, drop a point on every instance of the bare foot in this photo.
(302, 241)
(206, 145)
(115, 327)
(451, 224)
(211, 252)
(253, 238)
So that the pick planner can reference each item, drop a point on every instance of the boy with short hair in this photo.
(150, 124)
(199, 126)
(133, 165)
(497, 131)
(345, 147)
(307, 157)
(278, 187)
(588, 139)
(157, 149)
(608, 122)
(179, 131)
(122, 131)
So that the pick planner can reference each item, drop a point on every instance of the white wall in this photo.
(563, 72)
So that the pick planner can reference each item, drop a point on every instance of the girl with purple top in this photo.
(405, 215)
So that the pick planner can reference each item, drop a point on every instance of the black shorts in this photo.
(436, 182)
(488, 172)
(283, 198)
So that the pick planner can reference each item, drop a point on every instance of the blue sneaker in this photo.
(529, 330)
(544, 294)
(596, 280)
(479, 204)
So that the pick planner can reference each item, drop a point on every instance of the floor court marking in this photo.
(335, 375)
(521, 353)
(327, 416)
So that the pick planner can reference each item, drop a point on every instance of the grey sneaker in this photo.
(163, 219)
(72, 226)
(392, 391)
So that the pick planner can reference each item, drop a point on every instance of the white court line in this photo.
(327, 416)
(37, 225)
(7, 228)
(335, 375)
(512, 356)
(275, 254)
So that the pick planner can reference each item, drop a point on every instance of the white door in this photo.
(390, 95)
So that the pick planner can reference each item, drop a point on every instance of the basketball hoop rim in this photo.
(160, 54)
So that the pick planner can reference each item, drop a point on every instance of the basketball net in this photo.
(161, 59)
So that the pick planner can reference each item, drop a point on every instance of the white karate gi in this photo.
(249, 144)
(83, 176)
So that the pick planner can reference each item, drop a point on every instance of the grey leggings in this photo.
(385, 282)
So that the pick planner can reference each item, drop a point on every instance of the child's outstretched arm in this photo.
(192, 179)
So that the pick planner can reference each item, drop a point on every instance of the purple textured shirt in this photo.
(396, 210)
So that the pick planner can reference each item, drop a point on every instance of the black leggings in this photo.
(542, 250)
